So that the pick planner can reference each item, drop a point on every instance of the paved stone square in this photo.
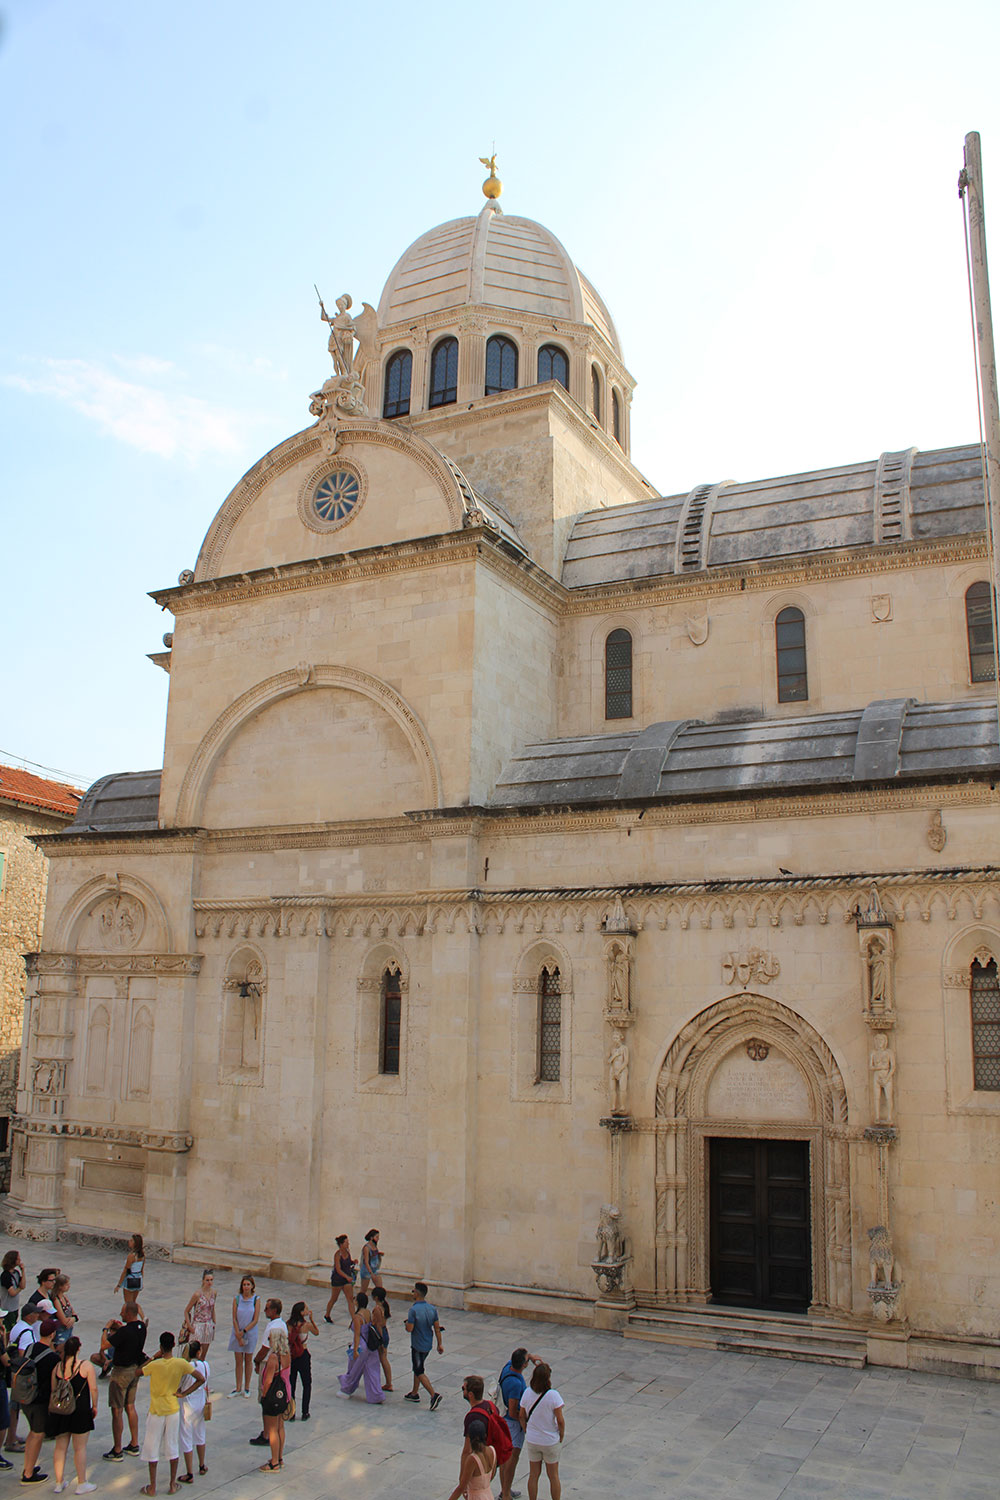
(642, 1419)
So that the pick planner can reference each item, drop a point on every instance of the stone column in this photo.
(471, 361)
(612, 1269)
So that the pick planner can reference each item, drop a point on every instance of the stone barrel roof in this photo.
(892, 740)
(125, 802)
(906, 496)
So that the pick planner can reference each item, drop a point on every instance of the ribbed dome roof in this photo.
(498, 260)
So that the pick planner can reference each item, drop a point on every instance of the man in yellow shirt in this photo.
(166, 1374)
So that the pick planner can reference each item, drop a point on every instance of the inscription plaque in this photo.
(770, 1088)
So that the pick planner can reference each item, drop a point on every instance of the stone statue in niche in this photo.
(618, 1075)
(883, 1067)
(618, 1006)
(609, 1234)
(878, 977)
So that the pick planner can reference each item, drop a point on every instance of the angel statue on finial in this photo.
(344, 330)
(492, 187)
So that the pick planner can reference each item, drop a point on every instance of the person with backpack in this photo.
(481, 1409)
(364, 1356)
(72, 1409)
(510, 1388)
(32, 1389)
(19, 1341)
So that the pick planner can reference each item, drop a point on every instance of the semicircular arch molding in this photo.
(155, 935)
(683, 1095)
(271, 690)
(535, 957)
(304, 445)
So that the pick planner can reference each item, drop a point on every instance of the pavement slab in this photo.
(643, 1420)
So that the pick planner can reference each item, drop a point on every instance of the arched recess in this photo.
(816, 1111)
(525, 1083)
(300, 680)
(244, 998)
(105, 915)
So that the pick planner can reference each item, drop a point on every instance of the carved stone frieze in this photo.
(150, 1140)
(752, 966)
(114, 963)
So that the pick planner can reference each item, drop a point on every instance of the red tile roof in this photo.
(36, 791)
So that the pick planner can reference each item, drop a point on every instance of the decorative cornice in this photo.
(175, 1141)
(471, 544)
(698, 905)
(165, 964)
(776, 572)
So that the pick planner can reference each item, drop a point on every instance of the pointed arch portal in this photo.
(751, 1068)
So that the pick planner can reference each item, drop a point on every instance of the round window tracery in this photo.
(332, 496)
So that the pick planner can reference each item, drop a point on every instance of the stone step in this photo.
(752, 1331)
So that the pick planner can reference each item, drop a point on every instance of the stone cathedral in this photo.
(592, 888)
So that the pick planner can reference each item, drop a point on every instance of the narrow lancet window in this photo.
(501, 365)
(391, 1021)
(979, 629)
(549, 1026)
(444, 373)
(790, 652)
(985, 1025)
(398, 374)
(618, 675)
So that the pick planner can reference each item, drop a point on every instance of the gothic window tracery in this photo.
(549, 1025)
(790, 655)
(618, 675)
(398, 374)
(444, 373)
(979, 632)
(501, 365)
(985, 1000)
(553, 365)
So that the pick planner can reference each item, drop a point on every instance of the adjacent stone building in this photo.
(536, 853)
(29, 805)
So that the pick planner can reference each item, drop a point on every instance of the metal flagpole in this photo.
(970, 187)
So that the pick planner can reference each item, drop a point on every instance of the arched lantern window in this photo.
(553, 365)
(398, 374)
(790, 653)
(501, 365)
(444, 373)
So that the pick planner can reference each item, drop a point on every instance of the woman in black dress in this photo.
(342, 1277)
(77, 1424)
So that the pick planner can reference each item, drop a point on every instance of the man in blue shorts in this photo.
(422, 1325)
(512, 1387)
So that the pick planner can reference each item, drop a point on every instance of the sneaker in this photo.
(260, 1442)
(5, 1464)
(246, 1395)
(115, 1456)
(132, 1448)
(435, 1400)
(343, 1395)
(63, 1485)
(410, 1396)
(304, 1417)
(237, 1392)
(85, 1489)
(35, 1477)
(15, 1447)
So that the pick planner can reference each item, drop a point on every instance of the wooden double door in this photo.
(760, 1252)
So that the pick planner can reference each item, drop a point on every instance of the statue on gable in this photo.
(344, 394)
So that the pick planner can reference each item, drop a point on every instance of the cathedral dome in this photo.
(495, 260)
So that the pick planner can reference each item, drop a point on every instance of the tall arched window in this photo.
(549, 1026)
(790, 653)
(985, 1025)
(616, 417)
(553, 365)
(979, 628)
(618, 675)
(444, 373)
(398, 373)
(595, 391)
(390, 1021)
(501, 365)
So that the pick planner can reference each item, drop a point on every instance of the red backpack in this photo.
(497, 1431)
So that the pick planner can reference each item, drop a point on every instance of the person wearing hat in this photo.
(45, 1359)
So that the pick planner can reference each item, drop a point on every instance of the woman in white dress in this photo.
(191, 1432)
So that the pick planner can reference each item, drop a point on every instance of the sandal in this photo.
(147, 1490)
(185, 1479)
(203, 1469)
(269, 1468)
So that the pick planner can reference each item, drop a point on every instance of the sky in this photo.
(763, 193)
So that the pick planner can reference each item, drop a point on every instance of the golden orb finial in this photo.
(492, 187)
